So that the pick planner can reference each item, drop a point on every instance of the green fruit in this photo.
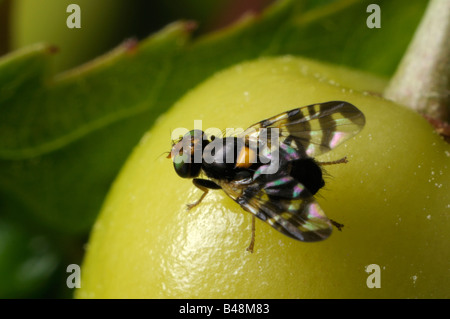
(393, 198)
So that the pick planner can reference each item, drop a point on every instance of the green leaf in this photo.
(64, 138)
(62, 152)
(338, 33)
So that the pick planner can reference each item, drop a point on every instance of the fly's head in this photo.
(186, 154)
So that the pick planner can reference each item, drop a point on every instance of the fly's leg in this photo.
(192, 205)
(252, 241)
(339, 161)
(204, 185)
(337, 225)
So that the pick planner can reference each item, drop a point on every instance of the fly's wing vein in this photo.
(312, 129)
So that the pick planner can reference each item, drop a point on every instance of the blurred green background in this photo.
(107, 23)
(64, 135)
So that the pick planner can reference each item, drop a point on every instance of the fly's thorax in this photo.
(219, 157)
(234, 158)
(221, 151)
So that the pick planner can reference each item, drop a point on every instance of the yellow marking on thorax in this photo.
(246, 158)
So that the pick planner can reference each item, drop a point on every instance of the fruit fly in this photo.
(269, 169)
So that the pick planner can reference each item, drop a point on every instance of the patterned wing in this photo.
(312, 129)
(286, 205)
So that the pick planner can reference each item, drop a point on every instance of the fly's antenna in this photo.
(167, 153)
(164, 153)
(170, 134)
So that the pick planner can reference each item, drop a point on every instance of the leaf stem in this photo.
(421, 81)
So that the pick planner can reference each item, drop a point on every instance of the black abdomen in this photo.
(309, 173)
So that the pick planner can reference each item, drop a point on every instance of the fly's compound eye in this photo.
(187, 154)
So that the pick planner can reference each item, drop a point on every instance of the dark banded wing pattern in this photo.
(301, 219)
(313, 129)
(284, 204)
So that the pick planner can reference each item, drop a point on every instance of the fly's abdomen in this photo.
(308, 173)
